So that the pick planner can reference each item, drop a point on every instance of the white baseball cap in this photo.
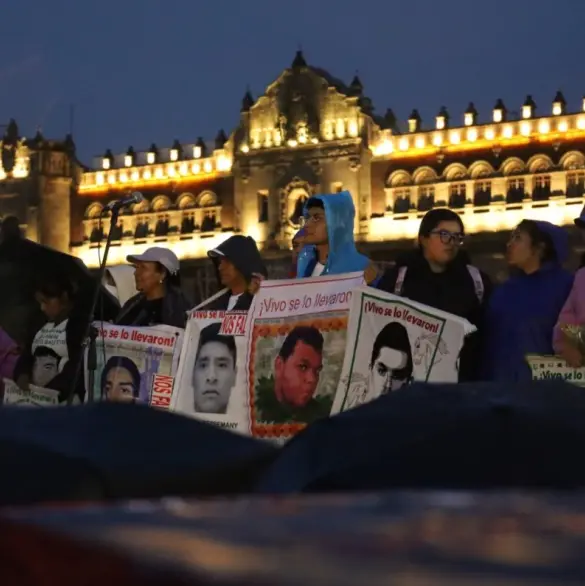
(167, 258)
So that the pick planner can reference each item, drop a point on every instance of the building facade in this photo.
(308, 133)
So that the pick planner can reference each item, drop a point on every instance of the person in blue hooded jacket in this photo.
(522, 312)
(329, 247)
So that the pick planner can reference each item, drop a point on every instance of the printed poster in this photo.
(296, 336)
(211, 382)
(392, 342)
(554, 368)
(135, 364)
(13, 395)
(49, 353)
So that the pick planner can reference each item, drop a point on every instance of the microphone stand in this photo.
(87, 335)
(91, 363)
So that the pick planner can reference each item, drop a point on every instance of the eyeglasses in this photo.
(448, 237)
(315, 219)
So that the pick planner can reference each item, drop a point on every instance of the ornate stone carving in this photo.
(292, 198)
(354, 164)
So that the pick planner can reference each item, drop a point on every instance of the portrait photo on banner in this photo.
(210, 383)
(294, 368)
(130, 360)
(393, 342)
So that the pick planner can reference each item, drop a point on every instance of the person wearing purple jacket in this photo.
(523, 310)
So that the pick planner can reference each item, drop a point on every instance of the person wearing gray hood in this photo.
(239, 268)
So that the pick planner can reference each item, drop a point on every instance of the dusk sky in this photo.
(143, 71)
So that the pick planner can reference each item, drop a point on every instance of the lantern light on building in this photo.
(129, 157)
(499, 114)
(442, 120)
(528, 108)
(470, 117)
(176, 151)
(559, 104)
(107, 160)
(151, 155)
(414, 121)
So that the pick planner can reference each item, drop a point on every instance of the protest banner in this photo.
(296, 336)
(135, 364)
(210, 384)
(13, 395)
(393, 341)
(554, 368)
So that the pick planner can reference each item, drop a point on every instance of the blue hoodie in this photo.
(522, 313)
(343, 256)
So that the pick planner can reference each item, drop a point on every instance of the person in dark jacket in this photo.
(522, 312)
(438, 274)
(160, 300)
(50, 359)
(239, 268)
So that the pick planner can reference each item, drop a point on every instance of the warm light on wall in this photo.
(111, 179)
(223, 163)
(420, 142)
(455, 138)
(135, 175)
(472, 134)
(352, 128)
(196, 168)
(171, 171)
(207, 167)
(438, 139)
(99, 178)
(123, 177)
(292, 143)
(192, 248)
(158, 173)
(508, 132)
(403, 144)
(490, 133)
(581, 123)
(563, 126)
(244, 148)
(147, 174)
(525, 128)
(544, 127)
(495, 218)
(340, 128)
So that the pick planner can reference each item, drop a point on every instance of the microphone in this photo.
(134, 197)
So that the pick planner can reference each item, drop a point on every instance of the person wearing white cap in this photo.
(160, 300)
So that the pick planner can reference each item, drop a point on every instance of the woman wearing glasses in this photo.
(438, 274)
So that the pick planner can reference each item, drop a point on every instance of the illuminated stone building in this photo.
(310, 133)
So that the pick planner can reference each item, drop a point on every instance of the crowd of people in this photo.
(521, 316)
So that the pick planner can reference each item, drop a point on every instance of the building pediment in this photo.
(305, 105)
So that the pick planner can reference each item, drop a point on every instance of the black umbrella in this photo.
(21, 261)
(106, 450)
(467, 436)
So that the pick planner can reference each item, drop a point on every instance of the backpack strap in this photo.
(477, 282)
(400, 281)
